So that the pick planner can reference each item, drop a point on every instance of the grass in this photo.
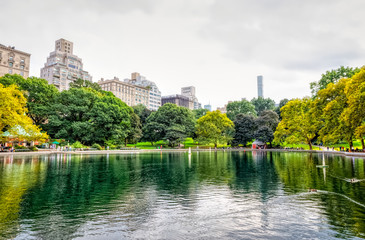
(189, 142)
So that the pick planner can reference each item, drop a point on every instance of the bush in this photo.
(20, 147)
(33, 148)
(77, 144)
(97, 146)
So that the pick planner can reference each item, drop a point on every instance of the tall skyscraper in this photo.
(190, 93)
(13, 61)
(260, 86)
(63, 67)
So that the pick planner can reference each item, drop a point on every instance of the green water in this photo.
(209, 195)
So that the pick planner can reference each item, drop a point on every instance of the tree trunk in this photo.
(310, 144)
(126, 142)
(351, 145)
(215, 145)
(362, 144)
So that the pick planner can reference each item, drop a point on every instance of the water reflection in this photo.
(181, 195)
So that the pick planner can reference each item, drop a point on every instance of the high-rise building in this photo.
(129, 93)
(180, 100)
(13, 61)
(154, 92)
(190, 93)
(63, 67)
(208, 107)
(260, 86)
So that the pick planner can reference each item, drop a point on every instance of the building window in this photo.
(10, 64)
(22, 73)
(21, 66)
(10, 71)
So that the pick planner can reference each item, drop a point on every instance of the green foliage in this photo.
(142, 111)
(332, 76)
(214, 127)
(40, 95)
(80, 83)
(33, 148)
(20, 147)
(88, 116)
(297, 124)
(262, 104)
(198, 113)
(97, 146)
(264, 134)
(171, 123)
(281, 104)
(77, 144)
(237, 107)
(135, 131)
(245, 126)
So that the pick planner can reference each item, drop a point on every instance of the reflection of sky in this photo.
(209, 195)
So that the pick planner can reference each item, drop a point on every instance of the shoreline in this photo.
(50, 152)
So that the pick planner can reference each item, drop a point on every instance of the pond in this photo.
(205, 195)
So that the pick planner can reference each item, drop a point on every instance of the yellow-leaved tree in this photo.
(13, 118)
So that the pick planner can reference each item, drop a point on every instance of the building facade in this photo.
(130, 94)
(13, 61)
(260, 86)
(154, 92)
(190, 93)
(63, 67)
(208, 107)
(180, 100)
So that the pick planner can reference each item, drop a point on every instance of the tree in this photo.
(80, 83)
(135, 131)
(264, 134)
(245, 126)
(281, 104)
(237, 107)
(332, 76)
(266, 124)
(13, 117)
(142, 111)
(214, 127)
(297, 124)
(170, 122)
(39, 94)
(88, 116)
(333, 102)
(262, 104)
(198, 113)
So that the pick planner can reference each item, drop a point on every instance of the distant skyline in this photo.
(220, 47)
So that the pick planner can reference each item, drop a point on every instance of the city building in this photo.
(129, 93)
(154, 93)
(208, 107)
(13, 61)
(63, 67)
(179, 100)
(223, 109)
(190, 93)
(260, 86)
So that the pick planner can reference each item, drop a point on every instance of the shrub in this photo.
(33, 148)
(77, 144)
(20, 147)
(97, 146)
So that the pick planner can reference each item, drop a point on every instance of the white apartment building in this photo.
(13, 61)
(190, 93)
(154, 93)
(130, 94)
(63, 67)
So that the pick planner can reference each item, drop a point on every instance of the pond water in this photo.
(206, 195)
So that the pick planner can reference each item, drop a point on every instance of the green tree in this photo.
(297, 124)
(264, 134)
(281, 104)
(39, 94)
(237, 107)
(80, 83)
(245, 126)
(332, 76)
(198, 113)
(13, 118)
(214, 127)
(266, 124)
(135, 131)
(142, 111)
(262, 104)
(170, 122)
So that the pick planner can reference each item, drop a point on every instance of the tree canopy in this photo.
(81, 83)
(237, 107)
(262, 104)
(245, 127)
(214, 127)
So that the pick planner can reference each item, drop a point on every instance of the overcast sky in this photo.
(218, 46)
